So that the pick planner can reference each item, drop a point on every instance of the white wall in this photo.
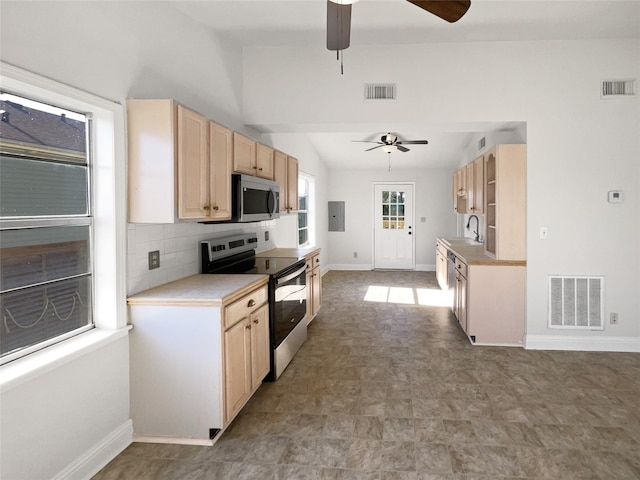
(578, 145)
(58, 424)
(355, 188)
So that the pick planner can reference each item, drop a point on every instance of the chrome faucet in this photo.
(477, 226)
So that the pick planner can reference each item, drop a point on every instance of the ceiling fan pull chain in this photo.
(342, 63)
(389, 156)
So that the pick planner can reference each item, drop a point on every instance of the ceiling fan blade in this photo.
(412, 142)
(401, 148)
(366, 141)
(338, 26)
(449, 10)
(373, 148)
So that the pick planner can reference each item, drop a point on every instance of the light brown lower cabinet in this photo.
(194, 366)
(460, 294)
(489, 302)
(246, 346)
(314, 286)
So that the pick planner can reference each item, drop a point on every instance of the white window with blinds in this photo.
(46, 281)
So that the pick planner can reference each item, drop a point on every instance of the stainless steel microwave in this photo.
(254, 199)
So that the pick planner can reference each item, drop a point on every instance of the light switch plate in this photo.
(544, 233)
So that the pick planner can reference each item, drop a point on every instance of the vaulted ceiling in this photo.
(302, 23)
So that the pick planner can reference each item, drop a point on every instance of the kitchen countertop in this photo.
(299, 252)
(200, 290)
(472, 253)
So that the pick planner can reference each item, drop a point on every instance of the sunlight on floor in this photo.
(432, 297)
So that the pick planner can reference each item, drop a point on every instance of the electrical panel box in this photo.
(336, 216)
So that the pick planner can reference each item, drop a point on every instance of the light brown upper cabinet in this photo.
(286, 174)
(460, 190)
(252, 158)
(475, 200)
(264, 161)
(221, 152)
(179, 164)
(505, 171)
(193, 164)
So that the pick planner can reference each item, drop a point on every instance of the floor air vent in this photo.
(576, 302)
(617, 88)
(379, 91)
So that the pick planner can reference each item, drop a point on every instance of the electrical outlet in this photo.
(613, 318)
(154, 259)
(355, 254)
(266, 235)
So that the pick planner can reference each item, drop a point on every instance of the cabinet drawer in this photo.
(313, 262)
(461, 267)
(244, 306)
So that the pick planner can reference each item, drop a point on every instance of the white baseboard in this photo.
(94, 459)
(423, 267)
(591, 344)
(366, 267)
(350, 266)
(176, 440)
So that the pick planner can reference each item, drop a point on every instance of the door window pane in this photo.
(393, 210)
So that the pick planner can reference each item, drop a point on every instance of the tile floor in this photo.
(385, 391)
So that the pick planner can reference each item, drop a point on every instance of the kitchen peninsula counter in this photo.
(488, 294)
(473, 253)
(200, 290)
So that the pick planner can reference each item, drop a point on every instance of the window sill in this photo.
(25, 369)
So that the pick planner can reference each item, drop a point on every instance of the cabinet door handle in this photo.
(215, 207)
(248, 327)
(260, 169)
(206, 208)
(251, 303)
(256, 321)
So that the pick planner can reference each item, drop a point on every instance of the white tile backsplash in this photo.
(178, 245)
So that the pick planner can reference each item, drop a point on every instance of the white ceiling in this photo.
(396, 22)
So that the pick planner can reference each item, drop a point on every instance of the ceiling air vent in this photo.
(617, 88)
(374, 92)
(482, 143)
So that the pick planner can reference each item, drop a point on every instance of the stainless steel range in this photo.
(287, 290)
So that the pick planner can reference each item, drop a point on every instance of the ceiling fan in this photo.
(339, 17)
(389, 141)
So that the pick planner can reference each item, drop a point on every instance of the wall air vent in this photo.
(482, 143)
(374, 92)
(617, 88)
(576, 302)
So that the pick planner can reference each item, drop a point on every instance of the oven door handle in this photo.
(285, 279)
